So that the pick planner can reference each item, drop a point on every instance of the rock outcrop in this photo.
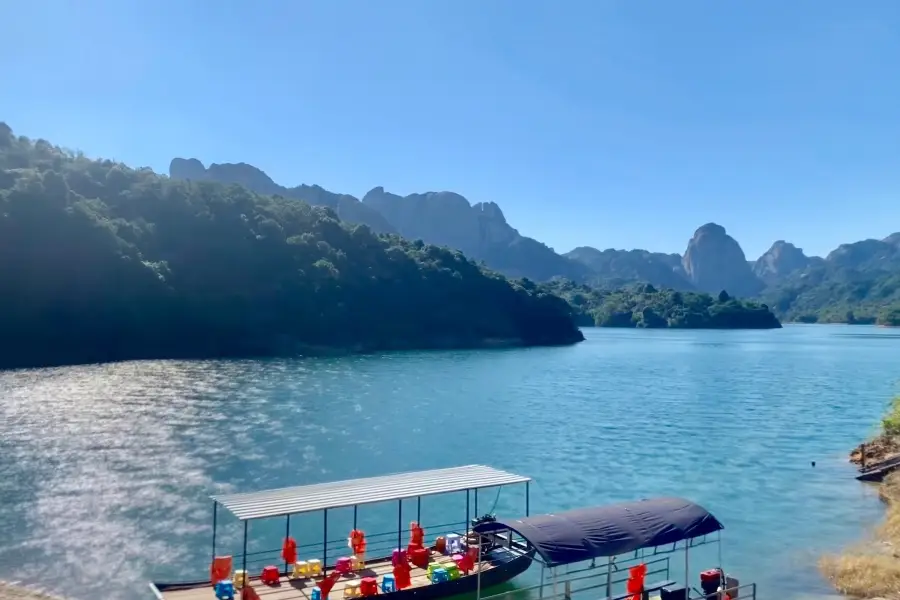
(480, 231)
(714, 262)
(780, 261)
(618, 267)
(348, 208)
(443, 219)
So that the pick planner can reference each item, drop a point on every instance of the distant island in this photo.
(645, 306)
(101, 262)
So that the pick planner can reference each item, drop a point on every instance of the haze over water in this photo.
(105, 471)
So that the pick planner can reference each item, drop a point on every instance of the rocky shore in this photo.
(871, 568)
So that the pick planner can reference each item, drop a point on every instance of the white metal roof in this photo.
(319, 496)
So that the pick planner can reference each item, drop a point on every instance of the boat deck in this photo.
(301, 589)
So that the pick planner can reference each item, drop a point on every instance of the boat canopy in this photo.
(587, 533)
(355, 492)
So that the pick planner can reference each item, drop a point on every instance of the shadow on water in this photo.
(512, 590)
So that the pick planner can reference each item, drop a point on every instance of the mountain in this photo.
(101, 262)
(348, 208)
(855, 276)
(480, 231)
(780, 261)
(611, 268)
(439, 218)
(714, 262)
(868, 255)
(857, 282)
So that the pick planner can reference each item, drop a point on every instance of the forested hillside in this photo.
(102, 262)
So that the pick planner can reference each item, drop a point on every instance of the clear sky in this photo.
(610, 123)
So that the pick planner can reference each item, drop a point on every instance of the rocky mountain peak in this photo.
(779, 261)
(714, 261)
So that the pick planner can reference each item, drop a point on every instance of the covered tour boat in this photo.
(637, 541)
(455, 561)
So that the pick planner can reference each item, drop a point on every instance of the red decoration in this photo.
(635, 583)
(289, 550)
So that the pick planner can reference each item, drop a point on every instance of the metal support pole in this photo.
(687, 567)
(324, 541)
(527, 498)
(541, 588)
(476, 504)
(478, 566)
(399, 524)
(244, 560)
(215, 511)
(287, 534)
(467, 510)
(419, 510)
(609, 577)
(355, 509)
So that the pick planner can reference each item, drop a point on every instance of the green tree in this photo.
(645, 306)
(102, 262)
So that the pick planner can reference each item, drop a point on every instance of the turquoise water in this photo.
(105, 470)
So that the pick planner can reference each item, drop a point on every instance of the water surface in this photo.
(105, 470)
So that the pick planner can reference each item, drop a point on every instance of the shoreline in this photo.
(16, 591)
(870, 569)
(289, 349)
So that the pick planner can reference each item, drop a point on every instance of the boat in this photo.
(875, 473)
(495, 561)
(637, 539)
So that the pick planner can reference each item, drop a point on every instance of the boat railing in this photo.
(378, 545)
(591, 578)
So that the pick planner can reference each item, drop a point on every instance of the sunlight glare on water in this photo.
(105, 470)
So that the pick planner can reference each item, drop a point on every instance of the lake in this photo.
(105, 470)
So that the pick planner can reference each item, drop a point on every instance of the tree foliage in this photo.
(644, 306)
(838, 294)
(102, 262)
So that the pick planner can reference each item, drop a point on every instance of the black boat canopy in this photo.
(587, 533)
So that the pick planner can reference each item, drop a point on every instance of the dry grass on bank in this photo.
(9, 591)
(871, 569)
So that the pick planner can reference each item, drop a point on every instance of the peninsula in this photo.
(101, 262)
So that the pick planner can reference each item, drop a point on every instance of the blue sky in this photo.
(611, 123)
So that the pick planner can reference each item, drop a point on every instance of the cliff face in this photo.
(780, 261)
(714, 262)
(347, 207)
(443, 219)
(480, 231)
